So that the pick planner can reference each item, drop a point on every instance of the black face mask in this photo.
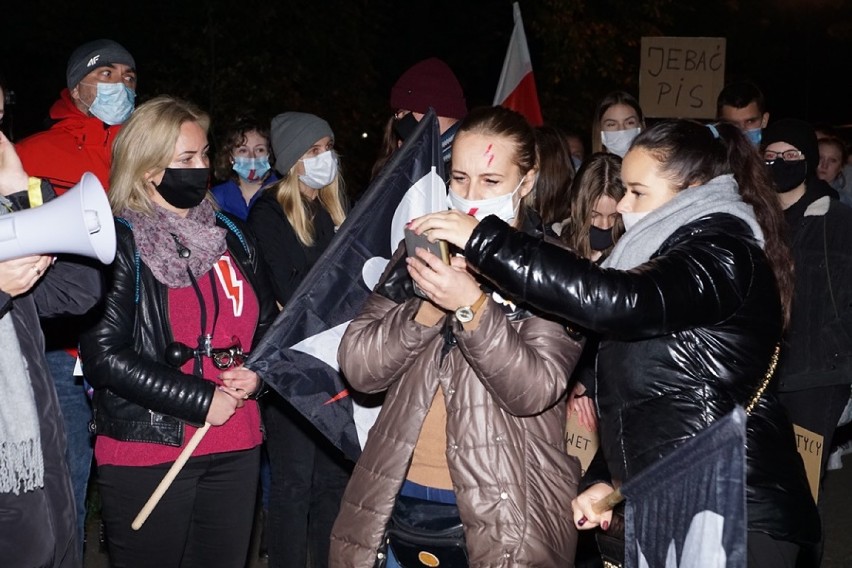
(184, 188)
(404, 127)
(599, 239)
(788, 175)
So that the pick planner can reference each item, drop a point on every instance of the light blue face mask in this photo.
(754, 135)
(251, 169)
(113, 103)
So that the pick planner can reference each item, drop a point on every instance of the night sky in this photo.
(339, 59)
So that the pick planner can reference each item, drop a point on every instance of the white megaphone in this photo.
(78, 222)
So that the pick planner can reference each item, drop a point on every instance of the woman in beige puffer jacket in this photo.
(482, 401)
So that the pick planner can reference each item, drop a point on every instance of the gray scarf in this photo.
(21, 458)
(719, 195)
(156, 233)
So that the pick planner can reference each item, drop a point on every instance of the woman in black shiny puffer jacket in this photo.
(690, 305)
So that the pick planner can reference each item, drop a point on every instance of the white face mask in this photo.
(503, 205)
(630, 219)
(320, 170)
(619, 141)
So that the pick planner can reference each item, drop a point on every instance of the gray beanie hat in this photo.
(292, 134)
(98, 53)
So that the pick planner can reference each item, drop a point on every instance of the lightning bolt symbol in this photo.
(231, 285)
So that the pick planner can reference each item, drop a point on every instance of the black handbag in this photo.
(424, 533)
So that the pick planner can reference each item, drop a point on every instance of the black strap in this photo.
(204, 339)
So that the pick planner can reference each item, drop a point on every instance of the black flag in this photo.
(689, 508)
(298, 355)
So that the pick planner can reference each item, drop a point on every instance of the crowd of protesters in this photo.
(680, 269)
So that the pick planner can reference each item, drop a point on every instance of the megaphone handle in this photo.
(170, 476)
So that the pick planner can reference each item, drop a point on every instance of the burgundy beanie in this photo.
(430, 83)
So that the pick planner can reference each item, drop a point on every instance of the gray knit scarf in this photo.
(719, 195)
(155, 236)
(21, 458)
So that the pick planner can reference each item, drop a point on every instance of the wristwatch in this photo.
(465, 313)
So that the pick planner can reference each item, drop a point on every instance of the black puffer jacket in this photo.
(123, 354)
(686, 336)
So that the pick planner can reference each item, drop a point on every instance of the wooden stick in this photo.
(169, 477)
(608, 503)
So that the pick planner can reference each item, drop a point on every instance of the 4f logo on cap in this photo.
(93, 60)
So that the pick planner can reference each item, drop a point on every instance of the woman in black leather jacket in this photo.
(690, 305)
(187, 294)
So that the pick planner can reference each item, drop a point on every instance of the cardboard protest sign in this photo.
(680, 77)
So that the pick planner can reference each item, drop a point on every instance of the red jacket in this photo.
(77, 143)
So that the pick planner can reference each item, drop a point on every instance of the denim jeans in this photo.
(76, 413)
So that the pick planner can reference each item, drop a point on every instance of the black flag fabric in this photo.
(298, 355)
(688, 510)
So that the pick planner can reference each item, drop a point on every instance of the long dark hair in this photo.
(555, 175)
(691, 153)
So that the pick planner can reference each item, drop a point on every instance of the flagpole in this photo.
(608, 503)
(170, 476)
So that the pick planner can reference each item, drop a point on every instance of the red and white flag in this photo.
(516, 89)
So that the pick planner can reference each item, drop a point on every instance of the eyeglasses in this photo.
(787, 155)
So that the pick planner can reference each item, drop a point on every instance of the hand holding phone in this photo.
(438, 248)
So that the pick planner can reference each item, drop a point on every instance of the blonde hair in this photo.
(146, 145)
(295, 207)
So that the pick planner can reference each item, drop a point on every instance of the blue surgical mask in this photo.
(576, 162)
(754, 135)
(251, 169)
(503, 206)
(113, 103)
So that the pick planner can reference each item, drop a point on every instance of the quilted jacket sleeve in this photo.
(524, 365)
(382, 343)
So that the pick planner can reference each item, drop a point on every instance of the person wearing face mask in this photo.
(742, 104)
(427, 83)
(592, 231)
(475, 387)
(188, 297)
(618, 120)
(295, 221)
(691, 305)
(815, 369)
(243, 161)
(99, 96)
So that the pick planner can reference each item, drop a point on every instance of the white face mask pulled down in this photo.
(502, 206)
(618, 141)
(320, 170)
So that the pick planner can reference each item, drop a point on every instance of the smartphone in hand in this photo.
(438, 248)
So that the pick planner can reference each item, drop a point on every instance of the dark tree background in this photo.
(339, 58)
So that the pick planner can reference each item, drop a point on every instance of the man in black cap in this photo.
(815, 370)
(100, 95)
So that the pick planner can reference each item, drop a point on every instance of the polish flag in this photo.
(516, 89)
